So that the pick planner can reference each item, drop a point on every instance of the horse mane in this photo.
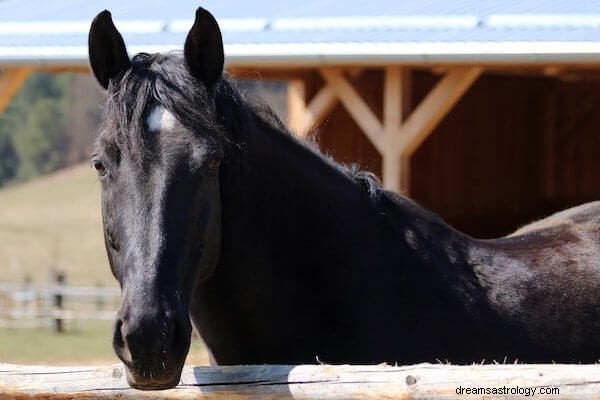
(163, 79)
(155, 79)
(230, 96)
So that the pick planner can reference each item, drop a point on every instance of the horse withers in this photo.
(217, 218)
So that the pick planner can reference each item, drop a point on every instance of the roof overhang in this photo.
(308, 55)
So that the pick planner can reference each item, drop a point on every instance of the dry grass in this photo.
(54, 223)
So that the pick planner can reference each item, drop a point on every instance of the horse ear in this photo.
(203, 49)
(108, 55)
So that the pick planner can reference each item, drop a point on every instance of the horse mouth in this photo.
(152, 379)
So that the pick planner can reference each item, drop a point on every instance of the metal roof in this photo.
(284, 32)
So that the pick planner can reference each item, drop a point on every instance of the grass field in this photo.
(54, 222)
(86, 343)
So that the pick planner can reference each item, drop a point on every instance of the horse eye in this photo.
(99, 166)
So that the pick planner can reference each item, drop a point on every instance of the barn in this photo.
(487, 113)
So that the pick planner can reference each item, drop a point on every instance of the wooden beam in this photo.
(396, 95)
(392, 100)
(58, 69)
(356, 106)
(436, 105)
(318, 108)
(390, 171)
(321, 105)
(396, 173)
(313, 382)
(296, 107)
(11, 80)
(405, 171)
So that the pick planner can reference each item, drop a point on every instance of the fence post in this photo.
(99, 298)
(59, 278)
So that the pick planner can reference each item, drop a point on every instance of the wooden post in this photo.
(436, 105)
(59, 279)
(402, 141)
(100, 301)
(11, 80)
(395, 94)
(296, 107)
(390, 173)
(396, 138)
(356, 106)
(321, 105)
(313, 382)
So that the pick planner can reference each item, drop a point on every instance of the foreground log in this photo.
(312, 382)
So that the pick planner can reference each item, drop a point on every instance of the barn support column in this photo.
(396, 139)
(356, 106)
(320, 106)
(11, 80)
(403, 138)
(396, 103)
(296, 109)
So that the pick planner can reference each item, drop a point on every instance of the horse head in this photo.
(157, 156)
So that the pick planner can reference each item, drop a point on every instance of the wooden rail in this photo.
(313, 382)
(34, 306)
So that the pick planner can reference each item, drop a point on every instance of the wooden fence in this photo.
(33, 306)
(313, 382)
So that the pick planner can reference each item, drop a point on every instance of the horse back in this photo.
(544, 279)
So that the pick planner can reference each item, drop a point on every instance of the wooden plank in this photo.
(356, 106)
(396, 95)
(390, 173)
(59, 69)
(392, 99)
(319, 107)
(396, 173)
(405, 171)
(312, 382)
(296, 107)
(434, 108)
(11, 80)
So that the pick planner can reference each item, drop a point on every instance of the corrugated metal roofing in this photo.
(316, 32)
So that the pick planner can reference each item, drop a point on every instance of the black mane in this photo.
(163, 79)
(155, 79)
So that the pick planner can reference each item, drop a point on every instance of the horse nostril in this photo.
(119, 344)
(149, 336)
(118, 334)
(181, 332)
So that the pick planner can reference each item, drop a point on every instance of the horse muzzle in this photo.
(153, 345)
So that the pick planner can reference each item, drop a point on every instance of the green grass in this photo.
(83, 343)
(54, 223)
(50, 223)
(86, 344)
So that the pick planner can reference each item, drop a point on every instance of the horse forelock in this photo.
(155, 80)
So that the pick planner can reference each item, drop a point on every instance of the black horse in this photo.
(213, 212)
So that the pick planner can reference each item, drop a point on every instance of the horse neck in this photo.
(273, 171)
(276, 188)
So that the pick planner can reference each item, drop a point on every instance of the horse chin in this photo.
(153, 381)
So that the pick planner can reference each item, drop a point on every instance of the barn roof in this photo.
(286, 32)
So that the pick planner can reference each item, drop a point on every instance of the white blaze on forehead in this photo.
(160, 119)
